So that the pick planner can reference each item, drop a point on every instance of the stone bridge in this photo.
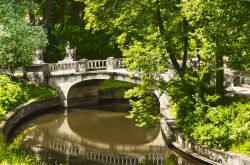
(73, 79)
(77, 81)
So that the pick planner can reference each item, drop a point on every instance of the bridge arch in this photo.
(64, 82)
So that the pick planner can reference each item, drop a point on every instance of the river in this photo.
(96, 135)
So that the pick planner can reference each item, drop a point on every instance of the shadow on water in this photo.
(96, 135)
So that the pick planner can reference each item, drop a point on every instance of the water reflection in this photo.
(94, 136)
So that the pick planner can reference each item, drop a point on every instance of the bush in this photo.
(243, 147)
(14, 92)
(220, 122)
(224, 126)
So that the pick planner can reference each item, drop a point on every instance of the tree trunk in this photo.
(172, 57)
(219, 87)
(185, 45)
(47, 10)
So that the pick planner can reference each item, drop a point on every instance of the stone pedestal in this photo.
(82, 65)
(37, 62)
(36, 73)
(111, 63)
(67, 60)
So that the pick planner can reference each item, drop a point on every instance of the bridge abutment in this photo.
(36, 73)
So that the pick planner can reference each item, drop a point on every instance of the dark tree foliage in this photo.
(64, 22)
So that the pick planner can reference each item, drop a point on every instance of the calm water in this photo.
(93, 136)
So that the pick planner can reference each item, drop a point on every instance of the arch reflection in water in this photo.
(96, 135)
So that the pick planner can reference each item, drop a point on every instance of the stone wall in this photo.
(18, 114)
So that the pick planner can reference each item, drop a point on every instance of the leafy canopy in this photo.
(18, 39)
(148, 33)
(153, 33)
(222, 29)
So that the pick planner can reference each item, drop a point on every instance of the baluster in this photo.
(98, 62)
(105, 64)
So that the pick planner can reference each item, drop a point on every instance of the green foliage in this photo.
(145, 107)
(18, 39)
(224, 125)
(13, 154)
(113, 84)
(136, 30)
(66, 24)
(206, 117)
(221, 28)
(243, 148)
(152, 33)
(15, 92)
(11, 94)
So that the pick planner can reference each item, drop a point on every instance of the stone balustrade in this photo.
(85, 65)
(120, 64)
(97, 64)
(237, 77)
(53, 67)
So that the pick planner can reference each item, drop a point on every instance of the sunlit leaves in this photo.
(18, 39)
(145, 108)
(222, 27)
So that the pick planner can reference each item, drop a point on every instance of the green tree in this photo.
(18, 39)
(63, 21)
(222, 27)
(148, 32)
(151, 35)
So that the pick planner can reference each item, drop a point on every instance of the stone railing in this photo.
(244, 80)
(53, 67)
(119, 63)
(209, 155)
(237, 77)
(97, 64)
(85, 65)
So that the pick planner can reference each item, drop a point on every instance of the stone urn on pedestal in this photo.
(35, 73)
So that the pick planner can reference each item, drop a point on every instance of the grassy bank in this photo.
(13, 154)
(14, 92)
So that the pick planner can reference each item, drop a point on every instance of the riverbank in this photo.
(14, 92)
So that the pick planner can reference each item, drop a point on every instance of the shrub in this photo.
(220, 122)
(14, 92)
